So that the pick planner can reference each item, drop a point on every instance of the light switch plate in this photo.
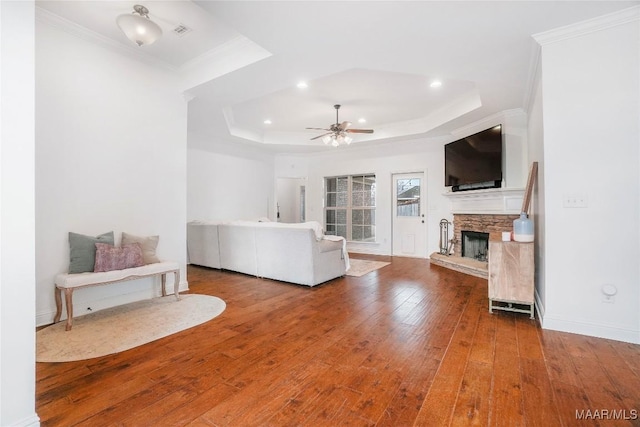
(577, 200)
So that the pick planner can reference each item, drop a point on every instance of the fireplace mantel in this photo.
(507, 201)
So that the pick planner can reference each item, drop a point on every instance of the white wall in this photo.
(224, 187)
(590, 90)
(111, 136)
(17, 213)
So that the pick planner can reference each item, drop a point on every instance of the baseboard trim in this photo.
(591, 329)
(539, 306)
(46, 317)
(365, 251)
(30, 421)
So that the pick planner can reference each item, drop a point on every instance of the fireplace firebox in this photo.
(475, 245)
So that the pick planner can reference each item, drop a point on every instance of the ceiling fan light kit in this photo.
(138, 27)
(337, 140)
(337, 133)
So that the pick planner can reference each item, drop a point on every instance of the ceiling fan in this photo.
(337, 132)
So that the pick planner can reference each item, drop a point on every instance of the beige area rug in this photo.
(124, 327)
(360, 267)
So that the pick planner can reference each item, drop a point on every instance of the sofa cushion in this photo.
(82, 251)
(109, 258)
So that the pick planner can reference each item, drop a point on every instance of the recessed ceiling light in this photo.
(362, 120)
(302, 85)
(267, 122)
(436, 83)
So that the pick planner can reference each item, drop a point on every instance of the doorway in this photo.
(409, 222)
(291, 200)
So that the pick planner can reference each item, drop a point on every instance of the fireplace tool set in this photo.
(445, 243)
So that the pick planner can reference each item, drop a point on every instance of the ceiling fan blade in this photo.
(320, 136)
(319, 129)
(359, 130)
(344, 125)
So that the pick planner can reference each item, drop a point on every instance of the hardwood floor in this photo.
(409, 344)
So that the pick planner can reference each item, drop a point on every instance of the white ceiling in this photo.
(375, 58)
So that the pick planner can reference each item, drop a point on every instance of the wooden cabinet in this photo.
(511, 270)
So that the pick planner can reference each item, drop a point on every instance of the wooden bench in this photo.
(69, 282)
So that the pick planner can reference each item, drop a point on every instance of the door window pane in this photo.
(408, 197)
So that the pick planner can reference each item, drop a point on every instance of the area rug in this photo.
(124, 327)
(360, 267)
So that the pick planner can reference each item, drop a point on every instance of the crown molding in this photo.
(486, 122)
(46, 17)
(532, 77)
(588, 26)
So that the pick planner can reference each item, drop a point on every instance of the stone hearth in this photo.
(485, 211)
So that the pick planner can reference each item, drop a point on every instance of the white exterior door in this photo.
(409, 221)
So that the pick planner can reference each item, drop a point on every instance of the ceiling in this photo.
(375, 58)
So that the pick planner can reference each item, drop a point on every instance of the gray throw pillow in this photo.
(83, 250)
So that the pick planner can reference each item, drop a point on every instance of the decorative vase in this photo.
(523, 229)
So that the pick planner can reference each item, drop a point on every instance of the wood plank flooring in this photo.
(409, 344)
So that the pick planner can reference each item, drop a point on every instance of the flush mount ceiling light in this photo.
(138, 27)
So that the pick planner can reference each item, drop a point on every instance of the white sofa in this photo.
(202, 244)
(295, 253)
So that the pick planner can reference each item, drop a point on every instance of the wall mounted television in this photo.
(474, 162)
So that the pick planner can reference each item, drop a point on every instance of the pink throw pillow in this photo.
(110, 257)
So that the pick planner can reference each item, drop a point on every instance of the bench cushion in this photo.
(66, 280)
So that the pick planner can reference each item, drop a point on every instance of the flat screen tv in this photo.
(474, 162)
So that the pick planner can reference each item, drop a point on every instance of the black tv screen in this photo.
(474, 161)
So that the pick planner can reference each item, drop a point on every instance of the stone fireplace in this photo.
(491, 224)
(479, 213)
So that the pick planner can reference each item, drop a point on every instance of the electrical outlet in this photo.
(609, 292)
(578, 200)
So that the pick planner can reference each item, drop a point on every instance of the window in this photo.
(408, 199)
(350, 207)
